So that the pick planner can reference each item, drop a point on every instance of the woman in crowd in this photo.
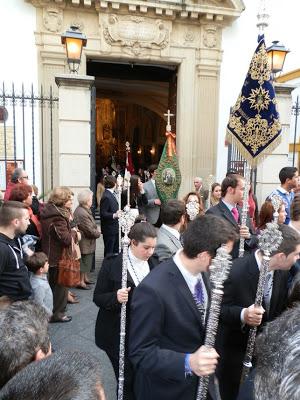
(266, 214)
(89, 233)
(194, 198)
(138, 197)
(57, 235)
(109, 296)
(23, 193)
(215, 196)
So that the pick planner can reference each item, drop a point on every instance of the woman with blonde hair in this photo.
(89, 233)
(215, 196)
(58, 234)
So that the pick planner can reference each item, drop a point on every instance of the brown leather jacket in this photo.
(56, 232)
(88, 229)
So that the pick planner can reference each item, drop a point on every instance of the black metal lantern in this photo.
(276, 54)
(74, 40)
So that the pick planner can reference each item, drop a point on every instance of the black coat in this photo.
(165, 325)
(221, 210)
(107, 332)
(239, 292)
(108, 206)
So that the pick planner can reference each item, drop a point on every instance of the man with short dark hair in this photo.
(14, 278)
(238, 312)
(168, 313)
(288, 177)
(109, 214)
(24, 337)
(232, 189)
(64, 375)
(18, 176)
(168, 236)
(152, 209)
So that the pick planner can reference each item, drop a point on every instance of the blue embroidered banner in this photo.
(254, 125)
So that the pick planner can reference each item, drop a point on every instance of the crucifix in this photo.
(168, 115)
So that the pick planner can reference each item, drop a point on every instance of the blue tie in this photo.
(199, 298)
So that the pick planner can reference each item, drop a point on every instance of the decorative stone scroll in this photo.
(52, 19)
(136, 34)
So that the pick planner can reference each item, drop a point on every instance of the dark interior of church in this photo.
(131, 100)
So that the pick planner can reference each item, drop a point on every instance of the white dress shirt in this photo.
(137, 268)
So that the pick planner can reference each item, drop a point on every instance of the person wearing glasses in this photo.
(18, 176)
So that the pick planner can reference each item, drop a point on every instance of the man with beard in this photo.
(14, 278)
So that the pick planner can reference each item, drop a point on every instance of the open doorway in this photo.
(130, 102)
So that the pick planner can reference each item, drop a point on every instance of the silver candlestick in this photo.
(269, 241)
(126, 221)
(219, 271)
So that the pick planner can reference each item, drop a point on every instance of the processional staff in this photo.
(269, 241)
(244, 213)
(119, 191)
(126, 221)
(219, 271)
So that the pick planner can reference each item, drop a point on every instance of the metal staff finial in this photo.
(245, 207)
(219, 271)
(269, 241)
(276, 201)
(192, 209)
(126, 221)
(262, 17)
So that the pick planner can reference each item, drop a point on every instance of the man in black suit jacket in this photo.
(167, 329)
(109, 213)
(232, 193)
(238, 312)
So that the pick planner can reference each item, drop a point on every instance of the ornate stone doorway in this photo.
(131, 100)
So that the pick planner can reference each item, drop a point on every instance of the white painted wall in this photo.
(239, 43)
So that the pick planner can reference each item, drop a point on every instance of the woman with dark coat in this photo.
(57, 235)
(89, 233)
(109, 296)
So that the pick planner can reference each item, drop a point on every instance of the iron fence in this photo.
(27, 120)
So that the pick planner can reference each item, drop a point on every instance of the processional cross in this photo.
(169, 115)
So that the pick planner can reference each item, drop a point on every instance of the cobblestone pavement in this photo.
(79, 333)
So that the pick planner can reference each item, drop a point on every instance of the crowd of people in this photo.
(167, 295)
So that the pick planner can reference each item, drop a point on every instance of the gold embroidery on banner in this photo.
(259, 99)
(255, 133)
(259, 68)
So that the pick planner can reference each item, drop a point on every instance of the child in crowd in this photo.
(41, 292)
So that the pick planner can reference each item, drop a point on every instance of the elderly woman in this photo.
(57, 235)
(109, 295)
(89, 233)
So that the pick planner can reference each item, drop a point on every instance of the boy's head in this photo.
(38, 263)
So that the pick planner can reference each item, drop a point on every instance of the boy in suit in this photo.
(168, 237)
(109, 214)
(167, 325)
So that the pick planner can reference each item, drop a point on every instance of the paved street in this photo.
(79, 333)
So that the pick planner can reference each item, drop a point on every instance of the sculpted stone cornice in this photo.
(219, 10)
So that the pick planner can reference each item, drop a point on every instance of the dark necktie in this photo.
(199, 298)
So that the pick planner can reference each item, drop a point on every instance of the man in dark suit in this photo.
(238, 312)
(168, 236)
(109, 214)
(168, 314)
(232, 193)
